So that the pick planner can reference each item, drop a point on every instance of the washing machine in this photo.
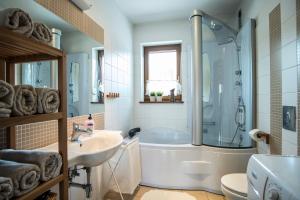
(272, 177)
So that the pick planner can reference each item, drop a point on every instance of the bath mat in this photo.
(166, 195)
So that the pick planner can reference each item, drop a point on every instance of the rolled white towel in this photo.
(48, 100)
(7, 93)
(25, 101)
(49, 162)
(4, 112)
(41, 33)
(16, 20)
(25, 177)
(6, 188)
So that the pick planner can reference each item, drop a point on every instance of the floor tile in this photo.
(199, 195)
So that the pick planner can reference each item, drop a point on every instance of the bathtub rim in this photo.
(196, 147)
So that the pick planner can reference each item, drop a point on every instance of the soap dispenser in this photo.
(89, 123)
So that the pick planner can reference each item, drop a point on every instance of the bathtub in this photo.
(168, 161)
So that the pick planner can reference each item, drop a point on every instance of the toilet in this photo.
(235, 186)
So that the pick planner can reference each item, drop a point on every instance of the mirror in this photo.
(97, 76)
(85, 62)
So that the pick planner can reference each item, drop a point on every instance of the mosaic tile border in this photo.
(275, 80)
(36, 135)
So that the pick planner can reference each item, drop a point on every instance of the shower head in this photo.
(215, 27)
(226, 41)
(229, 40)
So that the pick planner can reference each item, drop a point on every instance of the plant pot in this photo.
(159, 98)
(152, 98)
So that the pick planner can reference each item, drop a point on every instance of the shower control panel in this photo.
(289, 118)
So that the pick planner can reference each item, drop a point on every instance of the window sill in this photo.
(95, 102)
(162, 102)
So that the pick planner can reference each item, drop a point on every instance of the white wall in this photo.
(118, 73)
(161, 115)
(260, 11)
(118, 70)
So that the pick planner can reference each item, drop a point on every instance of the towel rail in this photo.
(265, 136)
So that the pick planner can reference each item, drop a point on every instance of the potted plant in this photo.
(152, 96)
(159, 96)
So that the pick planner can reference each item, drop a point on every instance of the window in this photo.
(97, 76)
(162, 69)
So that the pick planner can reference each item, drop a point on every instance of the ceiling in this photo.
(140, 11)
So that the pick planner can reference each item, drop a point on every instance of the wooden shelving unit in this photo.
(15, 121)
(16, 48)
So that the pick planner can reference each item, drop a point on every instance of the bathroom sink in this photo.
(92, 150)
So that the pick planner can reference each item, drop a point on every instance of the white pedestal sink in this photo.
(92, 150)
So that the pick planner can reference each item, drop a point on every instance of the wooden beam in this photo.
(15, 121)
(11, 131)
(10, 73)
(31, 58)
(62, 125)
(13, 45)
(2, 69)
(41, 188)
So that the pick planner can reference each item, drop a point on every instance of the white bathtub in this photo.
(168, 164)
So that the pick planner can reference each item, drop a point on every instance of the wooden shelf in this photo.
(42, 188)
(15, 47)
(14, 121)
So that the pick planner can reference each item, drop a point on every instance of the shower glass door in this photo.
(227, 84)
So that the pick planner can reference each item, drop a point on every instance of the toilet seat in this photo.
(235, 186)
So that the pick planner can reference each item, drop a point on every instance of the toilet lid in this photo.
(236, 182)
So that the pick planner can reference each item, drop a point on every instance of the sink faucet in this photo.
(78, 131)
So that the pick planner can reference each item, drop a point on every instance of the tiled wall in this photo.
(118, 76)
(173, 116)
(36, 135)
(298, 66)
(75, 17)
(260, 10)
(118, 70)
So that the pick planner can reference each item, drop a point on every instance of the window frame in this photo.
(168, 47)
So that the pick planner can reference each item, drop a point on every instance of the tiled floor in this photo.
(199, 195)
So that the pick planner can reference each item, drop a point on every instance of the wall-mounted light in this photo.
(82, 4)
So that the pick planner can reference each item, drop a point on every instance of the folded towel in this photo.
(25, 177)
(25, 101)
(47, 100)
(49, 162)
(7, 93)
(41, 33)
(4, 112)
(17, 20)
(6, 188)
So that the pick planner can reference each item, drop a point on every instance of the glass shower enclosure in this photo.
(222, 82)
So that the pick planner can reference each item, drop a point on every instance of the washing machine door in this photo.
(253, 194)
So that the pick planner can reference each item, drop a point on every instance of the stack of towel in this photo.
(25, 100)
(19, 21)
(6, 188)
(7, 94)
(22, 170)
